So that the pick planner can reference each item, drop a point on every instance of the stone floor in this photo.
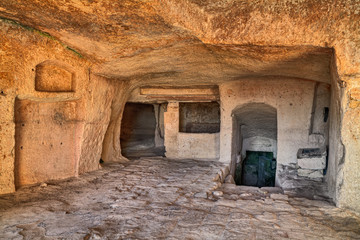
(159, 198)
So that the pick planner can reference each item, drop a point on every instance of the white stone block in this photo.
(312, 158)
(315, 163)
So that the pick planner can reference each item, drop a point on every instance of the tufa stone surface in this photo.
(53, 78)
(253, 50)
(43, 128)
(154, 198)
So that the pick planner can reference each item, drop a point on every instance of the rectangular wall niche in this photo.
(199, 117)
(53, 78)
(47, 136)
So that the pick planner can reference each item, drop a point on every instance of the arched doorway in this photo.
(254, 144)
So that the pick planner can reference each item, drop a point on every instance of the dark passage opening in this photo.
(138, 130)
(258, 169)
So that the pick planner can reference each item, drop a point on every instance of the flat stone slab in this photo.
(159, 198)
(310, 173)
(314, 163)
(312, 158)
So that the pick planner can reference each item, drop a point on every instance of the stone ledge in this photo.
(310, 173)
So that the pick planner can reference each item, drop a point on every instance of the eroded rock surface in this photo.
(157, 198)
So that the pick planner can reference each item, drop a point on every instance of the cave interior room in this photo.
(179, 119)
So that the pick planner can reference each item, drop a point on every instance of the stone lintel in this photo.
(195, 91)
(184, 98)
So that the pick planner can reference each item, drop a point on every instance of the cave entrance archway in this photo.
(254, 145)
(140, 131)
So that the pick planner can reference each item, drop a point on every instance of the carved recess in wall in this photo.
(48, 137)
(53, 76)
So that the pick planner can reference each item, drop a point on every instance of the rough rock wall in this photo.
(273, 23)
(61, 110)
(111, 149)
(7, 130)
(21, 50)
(98, 110)
(349, 164)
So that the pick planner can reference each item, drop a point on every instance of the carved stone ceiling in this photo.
(185, 42)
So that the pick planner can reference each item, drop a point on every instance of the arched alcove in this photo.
(255, 144)
(54, 76)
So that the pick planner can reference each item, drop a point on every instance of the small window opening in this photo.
(199, 117)
(326, 114)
